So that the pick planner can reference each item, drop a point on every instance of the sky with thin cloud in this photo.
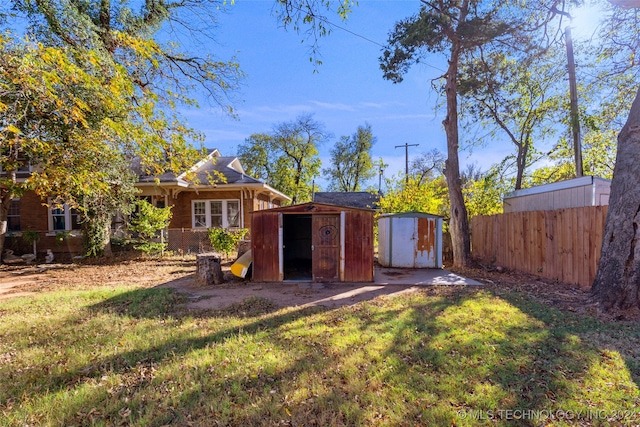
(346, 91)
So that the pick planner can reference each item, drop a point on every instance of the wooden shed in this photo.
(312, 242)
(571, 193)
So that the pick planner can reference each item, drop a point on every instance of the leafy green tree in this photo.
(617, 282)
(484, 195)
(351, 164)
(458, 29)
(261, 158)
(298, 141)
(288, 157)
(516, 96)
(108, 39)
(413, 196)
(60, 119)
(97, 207)
(147, 221)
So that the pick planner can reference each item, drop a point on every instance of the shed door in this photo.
(326, 247)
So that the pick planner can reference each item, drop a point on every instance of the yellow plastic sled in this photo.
(241, 266)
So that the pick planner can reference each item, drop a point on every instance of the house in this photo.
(197, 205)
(313, 242)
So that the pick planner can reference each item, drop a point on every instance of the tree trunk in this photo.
(107, 252)
(5, 200)
(459, 222)
(209, 269)
(617, 282)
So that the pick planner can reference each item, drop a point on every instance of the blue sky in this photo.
(346, 91)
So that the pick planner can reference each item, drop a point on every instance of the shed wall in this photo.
(586, 191)
(264, 245)
(410, 241)
(358, 256)
(356, 261)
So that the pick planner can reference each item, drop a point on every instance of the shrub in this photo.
(226, 241)
(147, 221)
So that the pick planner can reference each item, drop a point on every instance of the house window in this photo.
(233, 213)
(63, 218)
(25, 165)
(216, 213)
(13, 216)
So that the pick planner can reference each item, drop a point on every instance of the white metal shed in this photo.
(571, 193)
(410, 240)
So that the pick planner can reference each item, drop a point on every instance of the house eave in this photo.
(261, 188)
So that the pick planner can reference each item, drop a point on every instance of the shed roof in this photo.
(356, 199)
(314, 207)
(410, 215)
(559, 185)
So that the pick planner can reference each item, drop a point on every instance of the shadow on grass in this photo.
(598, 336)
(414, 360)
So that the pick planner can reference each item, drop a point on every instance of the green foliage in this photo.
(484, 196)
(30, 236)
(513, 95)
(98, 87)
(226, 241)
(147, 221)
(351, 164)
(286, 159)
(98, 207)
(414, 196)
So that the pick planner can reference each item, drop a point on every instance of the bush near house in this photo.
(226, 241)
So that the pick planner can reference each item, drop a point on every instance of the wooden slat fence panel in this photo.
(561, 245)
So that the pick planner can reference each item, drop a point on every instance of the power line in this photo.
(326, 21)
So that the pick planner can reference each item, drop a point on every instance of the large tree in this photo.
(514, 95)
(457, 29)
(95, 91)
(62, 119)
(287, 158)
(351, 164)
(617, 282)
(262, 158)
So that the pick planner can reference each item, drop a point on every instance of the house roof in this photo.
(207, 173)
(354, 199)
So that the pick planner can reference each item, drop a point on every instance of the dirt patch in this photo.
(178, 274)
(285, 294)
(552, 293)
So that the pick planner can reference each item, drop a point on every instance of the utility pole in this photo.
(406, 158)
(573, 91)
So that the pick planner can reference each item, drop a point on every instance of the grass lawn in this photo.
(132, 355)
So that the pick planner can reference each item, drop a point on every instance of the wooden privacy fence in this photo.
(561, 245)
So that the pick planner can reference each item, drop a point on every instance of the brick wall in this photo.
(34, 216)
